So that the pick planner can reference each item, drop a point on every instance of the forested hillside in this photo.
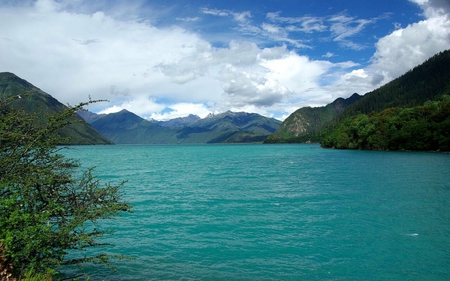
(409, 113)
(301, 125)
(425, 127)
(425, 82)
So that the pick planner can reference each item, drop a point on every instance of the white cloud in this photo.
(240, 17)
(214, 12)
(405, 48)
(182, 110)
(74, 55)
(139, 105)
(168, 72)
(188, 19)
(343, 27)
(328, 55)
(398, 52)
(250, 76)
(270, 28)
(306, 24)
(434, 8)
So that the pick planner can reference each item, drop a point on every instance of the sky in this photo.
(165, 59)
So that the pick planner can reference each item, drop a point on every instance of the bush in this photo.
(45, 211)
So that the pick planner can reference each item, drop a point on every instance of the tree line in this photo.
(425, 127)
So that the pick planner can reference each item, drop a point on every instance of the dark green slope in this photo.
(125, 127)
(410, 113)
(425, 82)
(34, 100)
(305, 121)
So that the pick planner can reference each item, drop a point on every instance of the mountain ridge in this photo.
(34, 100)
(125, 127)
(305, 121)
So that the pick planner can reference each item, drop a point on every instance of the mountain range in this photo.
(426, 82)
(125, 127)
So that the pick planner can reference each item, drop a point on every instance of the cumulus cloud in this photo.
(405, 48)
(77, 49)
(250, 76)
(434, 8)
(398, 52)
(74, 55)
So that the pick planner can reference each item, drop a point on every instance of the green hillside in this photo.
(411, 112)
(34, 100)
(301, 125)
(425, 82)
(425, 127)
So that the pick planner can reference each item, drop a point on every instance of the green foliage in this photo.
(45, 210)
(425, 127)
(30, 275)
(33, 100)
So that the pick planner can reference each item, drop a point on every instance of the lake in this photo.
(276, 212)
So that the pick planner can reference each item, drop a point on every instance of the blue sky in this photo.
(168, 59)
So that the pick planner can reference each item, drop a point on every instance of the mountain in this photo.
(236, 127)
(410, 113)
(425, 82)
(428, 81)
(89, 116)
(125, 127)
(425, 127)
(305, 121)
(178, 122)
(34, 100)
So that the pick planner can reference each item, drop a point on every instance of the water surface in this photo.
(276, 212)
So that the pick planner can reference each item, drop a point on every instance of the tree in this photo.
(424, 127)
(47, 207)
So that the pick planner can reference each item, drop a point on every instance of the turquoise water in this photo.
(276, 212)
